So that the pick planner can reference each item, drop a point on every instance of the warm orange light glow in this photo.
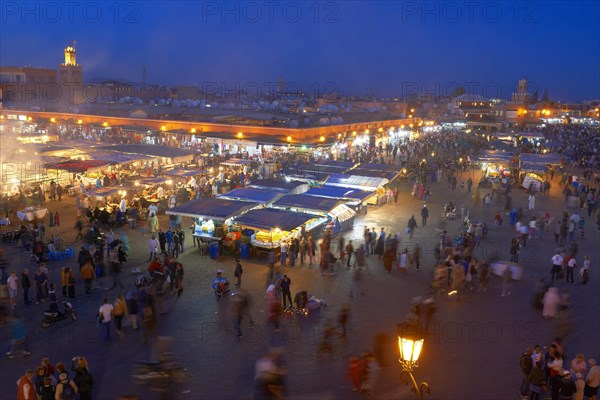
(51, 119)
(322, 138)
(105, 124)
(412, 110)
(193, 130)
(354, 133)
(289, 138)
(163, 128)
(380, 129)
(367, 131)
(79, 121)
(240, 135)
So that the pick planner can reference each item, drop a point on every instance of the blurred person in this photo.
(84, 379)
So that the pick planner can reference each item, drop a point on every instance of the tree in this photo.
(458, 91)
(545, 96)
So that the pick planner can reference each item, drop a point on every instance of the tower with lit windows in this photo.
(71, 76)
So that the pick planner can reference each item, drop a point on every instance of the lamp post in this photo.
(410, 344)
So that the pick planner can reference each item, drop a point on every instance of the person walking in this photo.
(557, 262)
(571, 266)
(416, 257)
(284, 249)
(41, 282)
(506, 281)
(87, 274)
(131, 299)
(349, 251)
(26, 285)
(411, 225)
(12, 283)
(238, 273)
(84, 379)
(179, 278)
(105, 314)
(286, 292)
(343, 318)
(119, 311)
(153, 244)
(424, 215)
(531, 202)
(526, 364)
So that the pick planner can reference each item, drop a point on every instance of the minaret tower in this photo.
(71, 76)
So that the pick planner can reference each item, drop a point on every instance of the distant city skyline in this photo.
(383, 49)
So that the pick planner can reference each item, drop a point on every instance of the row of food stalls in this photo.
(260, 216)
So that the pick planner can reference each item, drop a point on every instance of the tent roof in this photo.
(150, 150)
(389, 175)
(218, 209)
(544, 159)
(185, 172)
(105, 191)
(76, 165)
(337, 192)
(251, 194)
(276, 184)
(237, 162)
(306, 202)
(115, 157)
(270, 218)
(356, 181)
(377, 167)
(151, 180)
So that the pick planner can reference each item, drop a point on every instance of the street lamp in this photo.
(410, 344)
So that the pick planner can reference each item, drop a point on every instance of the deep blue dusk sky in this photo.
(387, 48)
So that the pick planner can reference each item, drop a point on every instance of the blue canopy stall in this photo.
(254, 195)
(207, 211)
(333, 209)
(353, 196)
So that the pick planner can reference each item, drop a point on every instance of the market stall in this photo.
(539, 162)
(532, 182)
(254, 195)
(211, 216)
(375, 184)
(108, 194)
(269, 226)
(332, 209)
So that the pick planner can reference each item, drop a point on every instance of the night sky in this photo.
(385, 48)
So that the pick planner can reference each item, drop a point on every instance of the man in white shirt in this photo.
(152, 210)
(557, 262)
(105, 316)
(153, 246)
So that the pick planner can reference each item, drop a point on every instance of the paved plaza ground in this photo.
(471, 352)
